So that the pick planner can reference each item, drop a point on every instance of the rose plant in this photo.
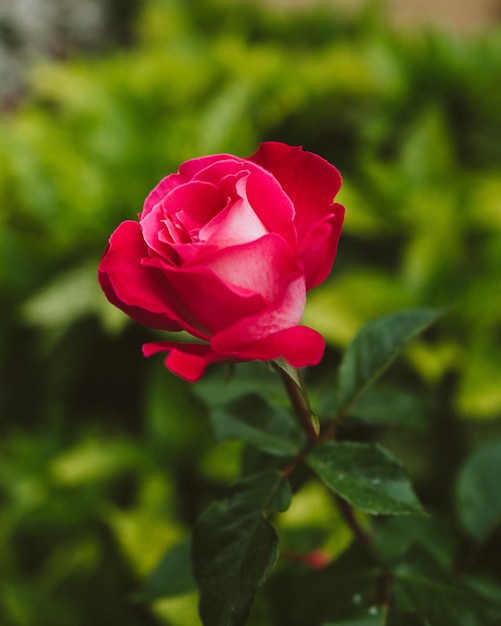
(226, 250)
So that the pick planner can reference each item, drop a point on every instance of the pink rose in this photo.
(226, 250)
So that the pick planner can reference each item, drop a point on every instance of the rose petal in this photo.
(185, 173)
(211, 301)
(263, 192)
(187, 360)
(271, 204)
(300, 346)
(283, 314)
(158, 193)
(265, 266)
(194, 204)
(311, 183)
(227, 162)
(216, 168)
(318, 249)
(179, 216)
(129, 285)
(236, 224)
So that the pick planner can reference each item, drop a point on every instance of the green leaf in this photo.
(405, 618)
(387, 406)
(235, 547)
(367, 476)
(223, 385)
(374, 349)
(371, 617)
(256, 421)
(478, 496)
(347, 588)
(421, 586)
(171, 577)
(395, 535)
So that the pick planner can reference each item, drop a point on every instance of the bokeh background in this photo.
(105, 458)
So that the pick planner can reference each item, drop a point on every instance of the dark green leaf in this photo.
(371, 617)
(385, 406)
(349, 587)
(421, 586)
(171, 577)
(224, 385)
(366, 475)
(374, 348)
(395, 535)
(485, 586)
(235, 547)
(254, 420)
(478, 493)
(405, 618)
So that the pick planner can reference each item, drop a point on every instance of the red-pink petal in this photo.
(185, 173)
(133, 288)
(284, 313)
(195, 204)
(236, 224)
(187, 360)
(318, 249)
(272, 205)
(300, 346)
(265, 266)
(158, 193)
(227, 163)
(310, 181)
(263, 192)
(212, 302)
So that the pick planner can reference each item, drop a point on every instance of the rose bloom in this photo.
(226, 250)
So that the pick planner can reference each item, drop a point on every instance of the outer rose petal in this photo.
(284, 313)
(299, 345)
(187, 360)
(266, 266)
(311, 183)
(158, 193)
(129, 285)
(209, 302)
(190, 169)
(318, 249)
(187, 171)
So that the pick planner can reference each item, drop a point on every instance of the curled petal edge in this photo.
(299, 346)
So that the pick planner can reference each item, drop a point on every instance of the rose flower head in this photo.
(226, 250)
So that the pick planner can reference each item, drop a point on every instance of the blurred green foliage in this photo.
(106, 460)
